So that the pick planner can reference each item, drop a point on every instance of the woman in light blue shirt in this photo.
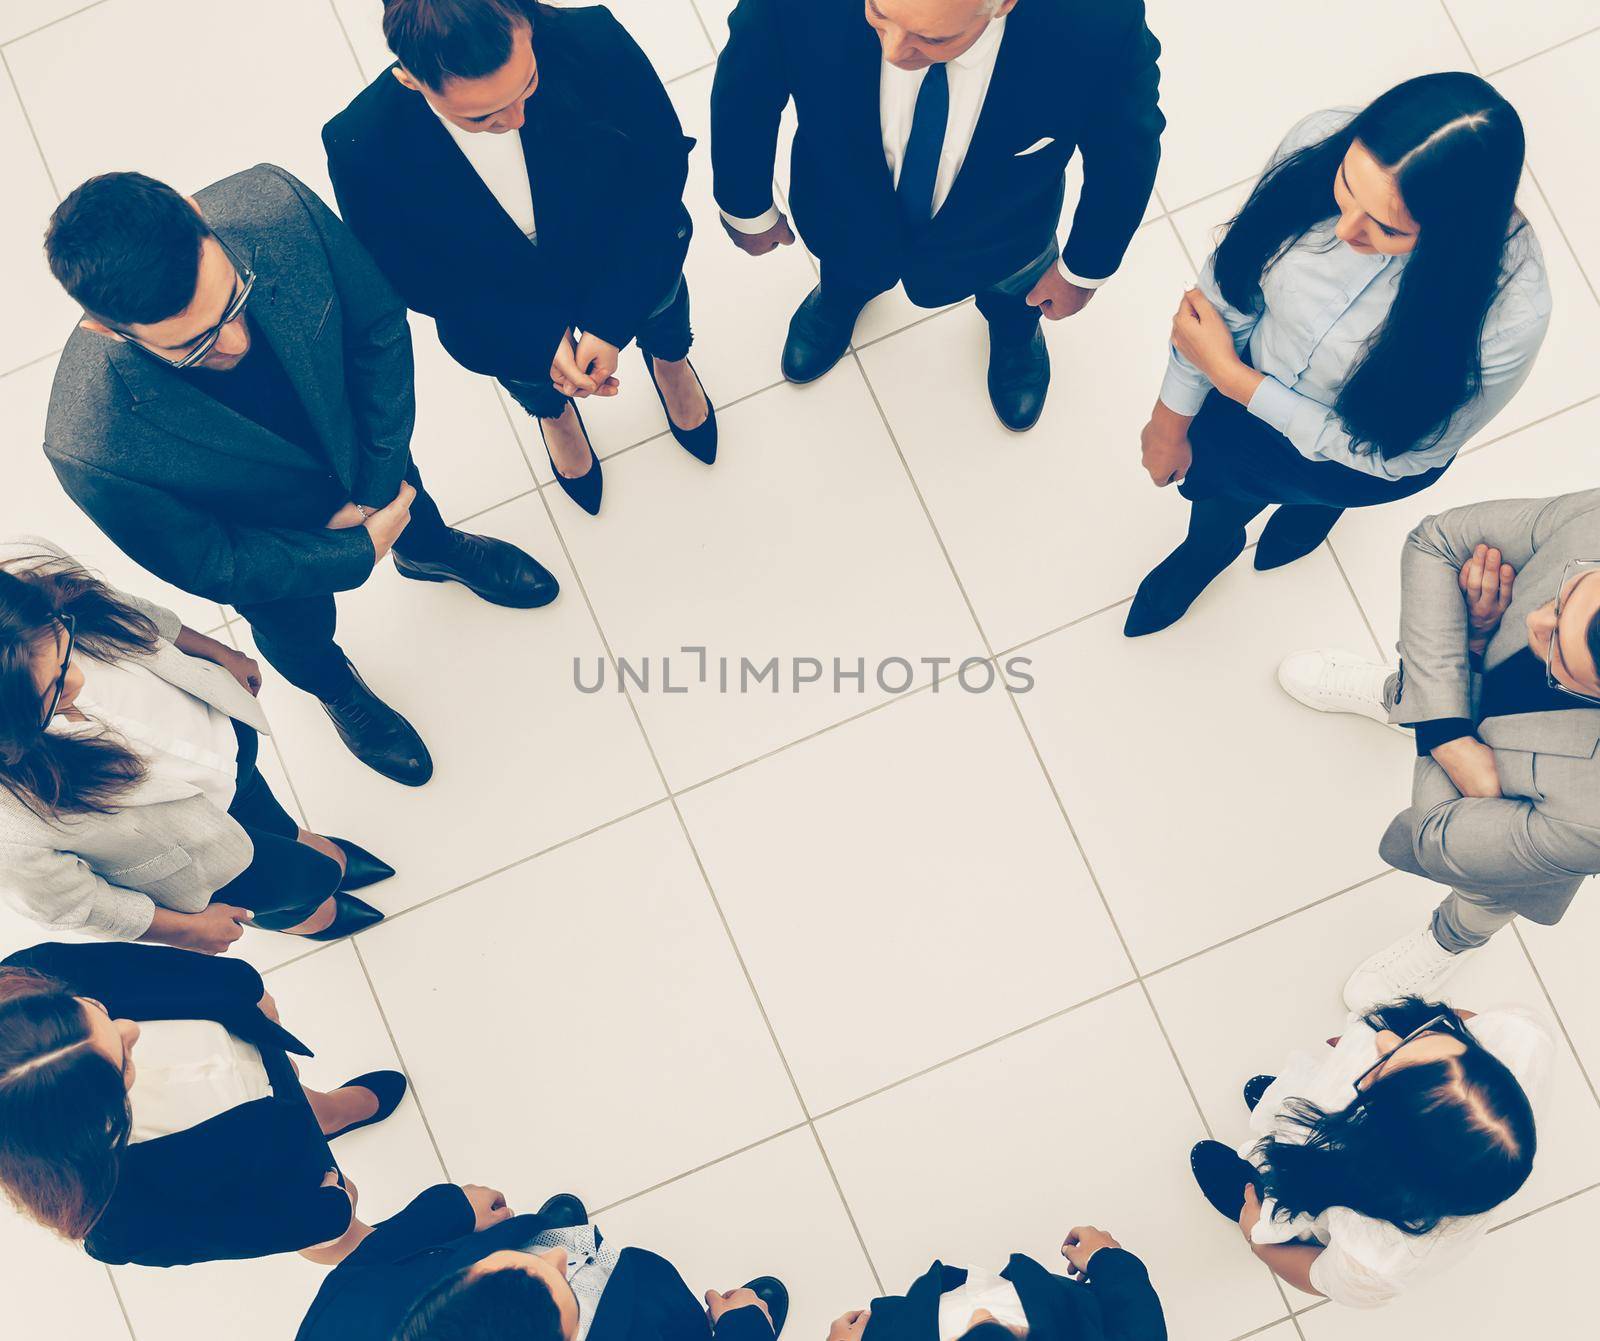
(1378, 300)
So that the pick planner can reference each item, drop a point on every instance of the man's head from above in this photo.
(509, 1295)
(146, 268)
(473, 60)
(918, 33)
(1564, 632)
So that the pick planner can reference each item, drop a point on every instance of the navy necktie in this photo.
(920, 168)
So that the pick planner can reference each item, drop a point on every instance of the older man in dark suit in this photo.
(235, 412)
(932, 144)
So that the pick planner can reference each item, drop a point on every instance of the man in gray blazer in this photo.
(235, 412)
(1499, 677)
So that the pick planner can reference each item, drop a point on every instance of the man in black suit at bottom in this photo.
(456, 1265)
(931, 148)
(1107, 1298)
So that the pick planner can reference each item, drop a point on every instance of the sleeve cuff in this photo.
(1183, 392)
(756, 224)
(1274, 404)
(1440, 731)
(1077, 279)
(119, 914)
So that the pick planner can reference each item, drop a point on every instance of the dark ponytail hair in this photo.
(61, 775)
(1456, 149)
(1421, 1144)
(64, 1116)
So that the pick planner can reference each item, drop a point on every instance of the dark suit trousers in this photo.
(296, 636)
(665, 335)
(1004, 305)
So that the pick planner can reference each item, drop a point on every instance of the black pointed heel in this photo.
(701, 442)
(586, 489)
(361, 868)
(388, 1087)
(350, 915)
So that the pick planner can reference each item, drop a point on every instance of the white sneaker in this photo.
(1333, 681)
(1415, 965)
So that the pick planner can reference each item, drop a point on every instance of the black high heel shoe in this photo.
(361, 868)
(350, 915)
(1223, 1177)
(388, 1087)
(701, 442)
(585, 490)
(774, 1294)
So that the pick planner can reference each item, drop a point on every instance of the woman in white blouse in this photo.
(1378, 1160)
(1377, 301)
(131, 807)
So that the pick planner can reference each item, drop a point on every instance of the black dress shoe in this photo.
(585, 490)
(389, 1087)
(700, 442)
(819, 334)
(350, 915)
(1019, 377)
(1174, 584)
(1254, 1088)
(379, 736)
(498, 572)
(361, 868)
(564, 1209)
(774, 1294)
(1223, 1176)
(1292, 532)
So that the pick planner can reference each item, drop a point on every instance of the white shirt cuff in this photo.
(1274, 404)
(759, 224)
(1079, 280)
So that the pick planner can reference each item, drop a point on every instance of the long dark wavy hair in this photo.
(1455, 147)
(64, 1117)
(1423, 1143)
(50, 774)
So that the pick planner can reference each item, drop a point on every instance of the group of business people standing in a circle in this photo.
(235, 411)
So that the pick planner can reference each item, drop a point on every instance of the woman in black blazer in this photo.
(102, 1155)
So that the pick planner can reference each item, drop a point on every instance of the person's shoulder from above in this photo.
(1525, 297)
(87, 389)
(1314, 127)
(256, 204)
(369, 115)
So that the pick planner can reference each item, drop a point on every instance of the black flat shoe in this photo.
(1223, 1176)
(564, 1210)
(586, 489)
(775, 1295)
(350, 915)
(1293, 531)
(1173, 585)
(701, 442)
(378, 735)
(361, 868)
(389, 1087)
(1254, 1088)
(1019, 379)
(490, 569)
(819, 334)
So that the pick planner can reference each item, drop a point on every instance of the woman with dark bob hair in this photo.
(1378, 1159)
(1377, 301)
(150, 1111)
(131, 807)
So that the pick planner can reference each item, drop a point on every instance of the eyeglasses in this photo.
(246, 279)
(1570, 577)
(70, 624)
(1439, 1024)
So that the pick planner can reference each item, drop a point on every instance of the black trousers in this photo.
(296, 636)
(1004, 305)
(286, 881)
(665, 335)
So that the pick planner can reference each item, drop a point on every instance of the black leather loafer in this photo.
(564, 1209)
(378, 735)
(819, 334)
(1019, 378)
(775, 1295)
(498, 572)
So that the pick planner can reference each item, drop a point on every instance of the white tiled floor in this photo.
(830, 982)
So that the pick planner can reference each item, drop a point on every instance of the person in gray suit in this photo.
(1499, 677)
(235, 411)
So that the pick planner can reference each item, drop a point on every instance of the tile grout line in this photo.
(23, 367)
(700, 1168)
(60, 18)
(116, 1293)
(700, 19)
(716, 903)
(27, 120)
(1550, 1000)
(344, 32)
(1543, 51)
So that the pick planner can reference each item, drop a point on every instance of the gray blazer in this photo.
(1532, 847)
(208, 499)
(165, 844)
